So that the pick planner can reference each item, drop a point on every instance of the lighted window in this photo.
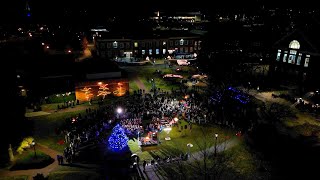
(278, 55)
(150, 51)
(285, 56)
(143, 52)
(135, 44)
(164, 43)
(157, 51)
(164, 51)
(306, 61)
(299, 59)
(181, 42)
(115, 44)
(292, 57)
(294, 44)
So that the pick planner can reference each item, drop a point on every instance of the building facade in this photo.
(141, 48)
(297, 60)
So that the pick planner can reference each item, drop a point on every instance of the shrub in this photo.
(26, 142)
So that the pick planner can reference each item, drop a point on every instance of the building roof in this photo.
(159, 34)
(308, 37)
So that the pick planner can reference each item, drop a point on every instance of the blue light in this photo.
(28, 14)
(118, 140)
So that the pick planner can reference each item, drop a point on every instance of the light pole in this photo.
(119, 111)
(215, 145)
(34, 148)
(189, 146)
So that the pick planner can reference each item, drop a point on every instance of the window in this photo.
(292, 57)
(186, 42)
(306, 60)
(108, 45)
(127, 45)
(121, 45)
(171, 43)
(135, 44)
(164, 43)
(150, 51)
(278, 55)
(285, 56)
(143, 44)
(181, 42)
(191, 49)
(115, 44)
(143, 52)
(164, 51)
(157, 51)
(299, 59)
(176, 43)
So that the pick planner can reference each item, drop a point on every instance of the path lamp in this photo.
(189, 145)
(215, 144)
(34, 148)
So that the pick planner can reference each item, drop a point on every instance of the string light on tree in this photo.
(103, 90)
(87, 93)
(118, 141)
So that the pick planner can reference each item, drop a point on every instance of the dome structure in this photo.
(294, 44)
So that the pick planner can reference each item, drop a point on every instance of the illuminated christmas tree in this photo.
(118, 140)
(103, 90)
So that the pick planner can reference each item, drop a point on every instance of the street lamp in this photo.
(119, 111)
(215, 145)
(189, 145)
(167, 130)
(34, 148)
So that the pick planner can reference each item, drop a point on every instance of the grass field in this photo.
(198, 136)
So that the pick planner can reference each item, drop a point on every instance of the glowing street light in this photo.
(167, 130)
(34, 148)
(47, 47)
(175, 119)
(215, 144)
(189, 145)
(119, 110)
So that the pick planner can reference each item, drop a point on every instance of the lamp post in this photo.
(119, 111)
(167, 130)
(215, 145)
(34, 148)
(189, 146)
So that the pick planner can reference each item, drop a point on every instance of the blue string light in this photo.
(118, 140)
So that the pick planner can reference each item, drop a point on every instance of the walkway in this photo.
(151, 171)
(139, 83)
(33, 172)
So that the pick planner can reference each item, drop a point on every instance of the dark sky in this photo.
(54, 9)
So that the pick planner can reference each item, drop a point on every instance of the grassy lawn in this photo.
(28, 160)
(132, 86)
(45, 128)
(242, 160)
(198, 136)
(79, 175)
(235, 162)
(15, 178)
(49, 107)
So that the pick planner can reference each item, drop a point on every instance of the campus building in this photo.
(297, 58)
(158, 44)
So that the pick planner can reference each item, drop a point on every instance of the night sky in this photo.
(55, 10)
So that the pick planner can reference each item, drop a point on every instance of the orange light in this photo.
(99, 83)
